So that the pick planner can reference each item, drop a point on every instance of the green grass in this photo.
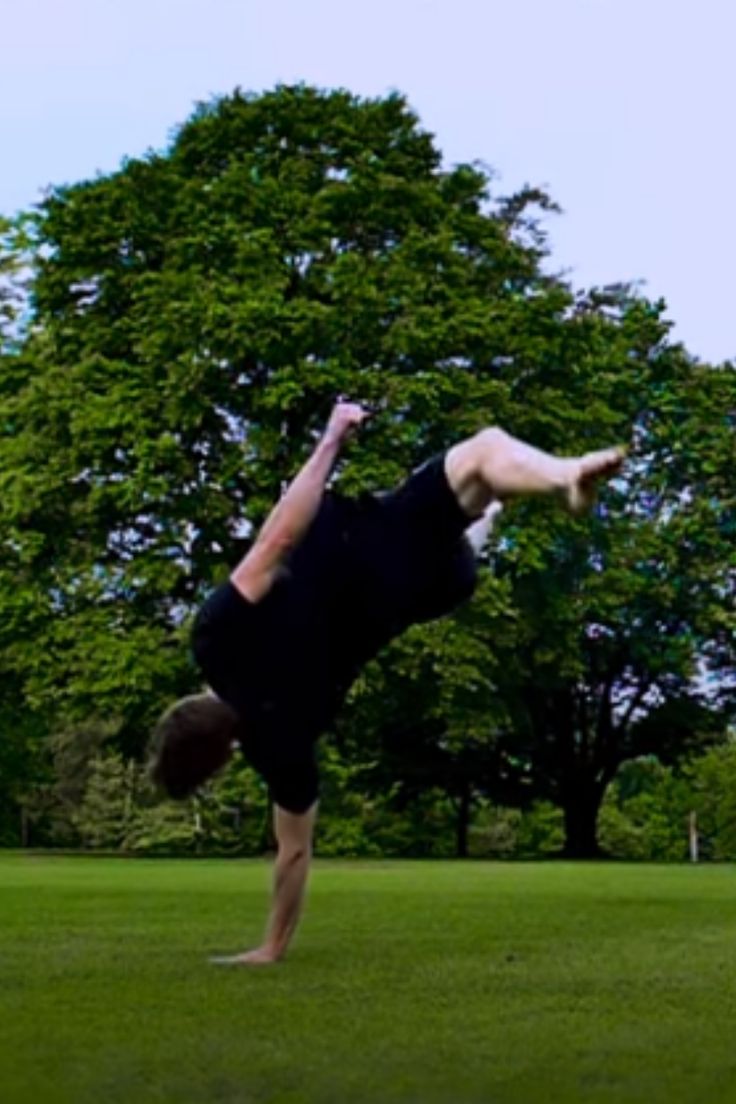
(421, 982)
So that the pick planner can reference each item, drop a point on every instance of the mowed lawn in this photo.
(422, 982)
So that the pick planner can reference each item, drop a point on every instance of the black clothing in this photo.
(366, 569)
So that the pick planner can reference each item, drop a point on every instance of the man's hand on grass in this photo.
(260, 956)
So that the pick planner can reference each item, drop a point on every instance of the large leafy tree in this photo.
(194, 315)
(626, 628)
(616, 638)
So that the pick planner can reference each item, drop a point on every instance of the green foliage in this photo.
(713, 781)
(110, 805)
(16, 244)
(165, 828)
(645, 813)
(22, 772)
(192, 317)
(106, 817)
(541, 831)
(230, 816)
(234, 812)
(502, 833)
(494, 831)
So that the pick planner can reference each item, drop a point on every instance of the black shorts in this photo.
(251, 655)
(367, 568)
(426, 503)
(407, 553)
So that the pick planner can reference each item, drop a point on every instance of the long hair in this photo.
(191, 742)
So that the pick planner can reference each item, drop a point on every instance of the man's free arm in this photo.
(291, 517)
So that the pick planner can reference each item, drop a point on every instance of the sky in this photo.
(623, 109)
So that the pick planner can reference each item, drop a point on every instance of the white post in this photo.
(693, 836)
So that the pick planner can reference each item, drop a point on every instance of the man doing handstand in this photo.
(328, 581)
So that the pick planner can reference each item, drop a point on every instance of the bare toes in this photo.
(590, 468)
(597, 465)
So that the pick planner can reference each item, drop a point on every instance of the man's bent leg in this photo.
(493, 464)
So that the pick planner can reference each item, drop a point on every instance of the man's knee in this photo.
(470, 464)
(491, 438)
(484, 448)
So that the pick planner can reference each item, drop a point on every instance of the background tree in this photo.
(622, 639)
(193, 316)
(623, 616)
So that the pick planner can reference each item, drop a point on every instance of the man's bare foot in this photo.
(585, 473)
(261, 956)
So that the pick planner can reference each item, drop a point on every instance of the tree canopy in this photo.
(191, 318)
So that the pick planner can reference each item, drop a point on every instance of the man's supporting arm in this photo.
(294, 836)
(294, 513)
(294, 833)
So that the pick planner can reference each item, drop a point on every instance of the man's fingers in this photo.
(251, 958)
(366, 409)
(345, 419)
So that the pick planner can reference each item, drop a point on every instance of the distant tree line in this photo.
(646, 815)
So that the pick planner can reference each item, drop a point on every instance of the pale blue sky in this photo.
(623, 108)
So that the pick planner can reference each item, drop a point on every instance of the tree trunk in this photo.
(463, 822)
(581, 805)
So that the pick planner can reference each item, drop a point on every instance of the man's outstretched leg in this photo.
(495, 465)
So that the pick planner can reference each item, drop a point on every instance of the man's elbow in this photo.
(292, 854)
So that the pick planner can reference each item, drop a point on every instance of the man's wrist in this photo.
(331, 440)
(273, 949)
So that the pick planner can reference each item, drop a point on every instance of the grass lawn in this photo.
(423, 982)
